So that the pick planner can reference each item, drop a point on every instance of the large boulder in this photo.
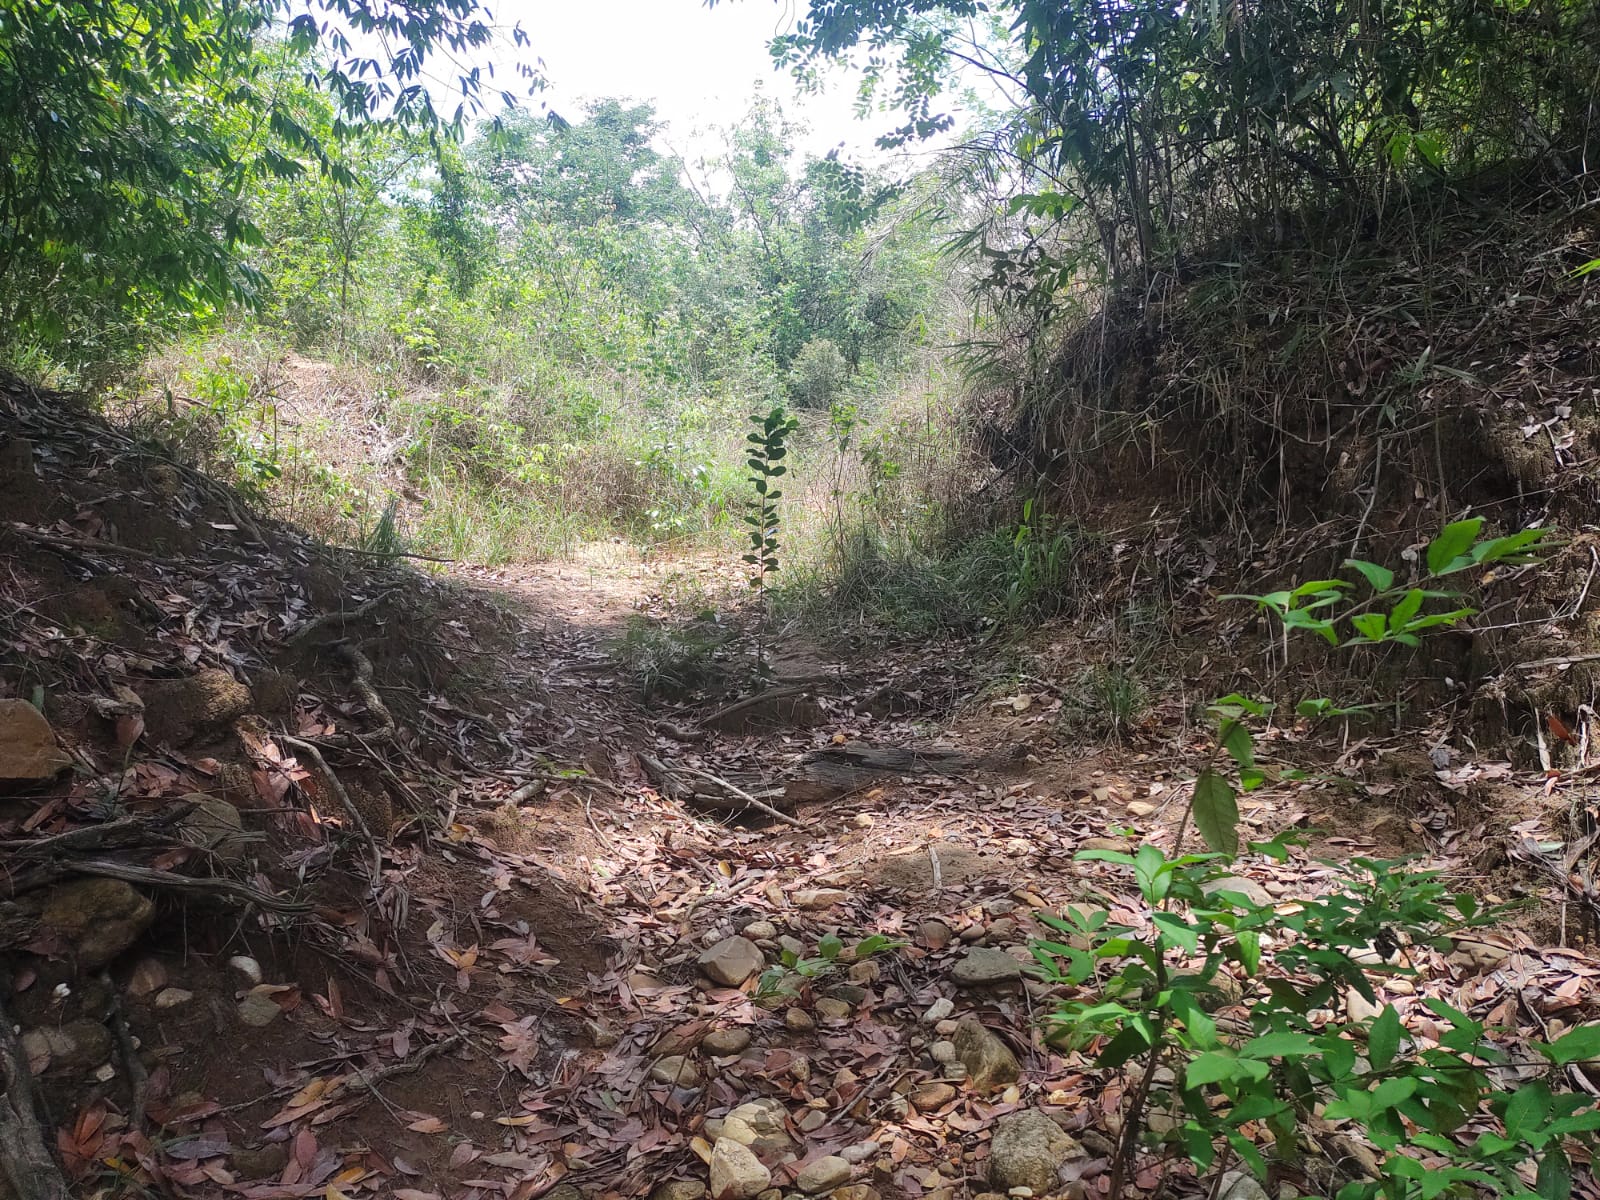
(1028, 1150)
(28, 751)
(92, 921)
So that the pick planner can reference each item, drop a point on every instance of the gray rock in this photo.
(1249, 888)
(723, 1042)
(260, 1163)
(736, 1173)
(169, 998)
(984, 966)
(95, 920)
(1241, 1185)
(823, 1175)
(866, 971)
(1027, 1151)
(767, 1116)
(675, 1069)
(856, 1191)
(74, 1046)
(935, 934)
(931, 1096)
(989, 1061)
(833, 1010)
(938, 1010)
(259, 1010)
(819, 898)
(943, 1051)
(732, 960)
(215, 827)
(28, 750)
(1002, 931)
(859, 1152)
(798, 1020)
(852, 994)
(679, 1189)
(792, 944)
(149, 977)
(758, 930)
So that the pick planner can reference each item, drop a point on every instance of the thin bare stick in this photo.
(743, 795)
(350, 808)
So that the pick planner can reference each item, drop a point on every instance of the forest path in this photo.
(857, 990)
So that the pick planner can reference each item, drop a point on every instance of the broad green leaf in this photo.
(1580, 1045)
(1401, 614)
(1249, 942)
(1381, 578)
(1237, 742)
(1211, 1067)
(1554, 1179)
(1216, 813)
(1528, 1107)
(1454, 540)
(1383, 1038)
(1279, 1045)
(1372, 626)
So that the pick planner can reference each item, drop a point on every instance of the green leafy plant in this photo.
(792, 971)
(1148, 991)
(1148, 1004)
(1390, 614)
(765, 451)
(669, 660)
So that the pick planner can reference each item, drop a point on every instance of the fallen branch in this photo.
(343, 796)
(25, 1161)
(739, 706)
(745, 796)
(334, 620)
(369, 1080)
(90, 545)
(138, 1076)
(154, 877)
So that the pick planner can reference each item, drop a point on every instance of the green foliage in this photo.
(1149, 1016)
(765, 451)
(134, 134)
(1390, 614)
(1143, 127)
(792, 971)
(1409, 1098)
(667, 660)
(818, 374)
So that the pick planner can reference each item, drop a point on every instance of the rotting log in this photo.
(839, 770)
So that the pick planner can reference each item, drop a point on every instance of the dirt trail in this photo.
(503, 931)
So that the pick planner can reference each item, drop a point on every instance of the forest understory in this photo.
(556, 644)
(472, 917)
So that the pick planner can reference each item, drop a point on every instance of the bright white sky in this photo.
(698, 66)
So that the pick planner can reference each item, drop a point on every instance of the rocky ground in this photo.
(325, 876)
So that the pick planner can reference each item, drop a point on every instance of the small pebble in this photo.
(246, 966)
